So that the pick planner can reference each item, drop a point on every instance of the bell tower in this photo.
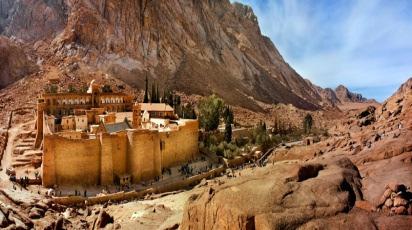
(41, 105)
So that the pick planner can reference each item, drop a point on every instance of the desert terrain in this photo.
(354, 172)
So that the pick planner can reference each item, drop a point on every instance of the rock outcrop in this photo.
(396, 200)
(32, 20)
(283, 196)
(14, 62)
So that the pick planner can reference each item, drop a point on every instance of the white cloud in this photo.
(364, 44)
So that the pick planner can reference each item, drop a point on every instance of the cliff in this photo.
(198, 47)
(14, 62)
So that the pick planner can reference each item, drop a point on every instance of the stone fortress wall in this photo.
(138, 152)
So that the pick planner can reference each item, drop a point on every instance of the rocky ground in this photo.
(358, 176)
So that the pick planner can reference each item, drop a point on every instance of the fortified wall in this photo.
(140, 153)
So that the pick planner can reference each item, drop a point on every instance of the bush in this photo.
(213, 149)
(242, 141)
(228, 154)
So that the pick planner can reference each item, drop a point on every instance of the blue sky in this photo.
(365, 45)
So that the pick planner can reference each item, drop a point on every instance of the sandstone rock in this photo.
(59, 223)
(3, 220)
(286, 195)
(399, 201)
(357, 149)
(392, 186)
(36, 213)
(104, 219)
(396, 134)
(365, 205)
(381, 201)
(19, 223)
(389, 203)
(401, 210)
(387, 193)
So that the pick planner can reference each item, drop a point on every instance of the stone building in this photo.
(92, 147)
(158, 110)
(92, 103)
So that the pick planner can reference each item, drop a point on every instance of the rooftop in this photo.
(117, 127)
(159, 107)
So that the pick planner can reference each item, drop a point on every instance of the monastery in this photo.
(102, 138)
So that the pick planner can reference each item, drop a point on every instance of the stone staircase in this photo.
(24, 152)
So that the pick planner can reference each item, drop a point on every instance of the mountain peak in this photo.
(344, 95)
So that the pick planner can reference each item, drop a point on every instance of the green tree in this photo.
(146, 96)
(107, 89)
(51, 88)
(210, 109)
(71, 89)
(170, 98)
(153, 94)
(228, 115)
(307, 123)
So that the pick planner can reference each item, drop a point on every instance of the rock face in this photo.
(14, 62)
(32, 20)
(198, 47)
(283, 196)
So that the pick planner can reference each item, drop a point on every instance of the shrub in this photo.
(213, 149)
(228, 154)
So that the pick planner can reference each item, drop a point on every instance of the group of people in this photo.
(23, 182)
(186, 170)
(78, 193)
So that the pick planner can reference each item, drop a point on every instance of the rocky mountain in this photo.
(337, 96)
(15, 63)
(197, 47)
(344, 95)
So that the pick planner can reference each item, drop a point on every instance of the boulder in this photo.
(19, 223)
(283, 196)
(3, 220)
(387, 193)
(401, 210)
(399, 201)
(104, 219)
(395, 187)
(36, 213)
(389, 203)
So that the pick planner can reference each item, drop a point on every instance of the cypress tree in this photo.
(146, 96)
(157, 94)
(164, 98)
(228, 132)
(153, 94)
